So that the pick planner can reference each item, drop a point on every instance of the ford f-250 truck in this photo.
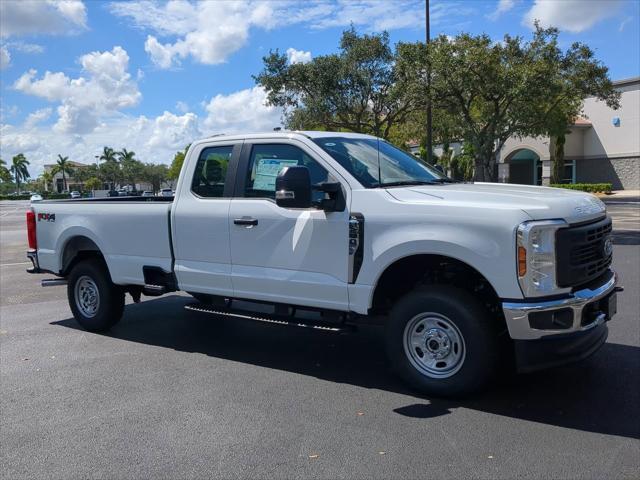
(351, 229)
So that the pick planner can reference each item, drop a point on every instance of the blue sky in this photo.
(152, 76)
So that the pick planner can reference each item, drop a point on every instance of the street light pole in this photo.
(429, 117)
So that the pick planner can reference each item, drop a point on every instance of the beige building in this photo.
(604, 146)
(58, 184)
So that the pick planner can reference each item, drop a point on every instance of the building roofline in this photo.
(626, 81)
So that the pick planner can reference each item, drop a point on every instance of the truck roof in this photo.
(288, 134)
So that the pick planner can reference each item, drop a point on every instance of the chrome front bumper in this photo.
(517, 313)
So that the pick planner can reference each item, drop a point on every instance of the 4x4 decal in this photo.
(47, 217)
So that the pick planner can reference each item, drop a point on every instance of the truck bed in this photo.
(130, 232)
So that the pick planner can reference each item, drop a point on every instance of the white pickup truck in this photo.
(335, 229)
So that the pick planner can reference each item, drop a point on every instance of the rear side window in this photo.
(211, 172)
(266, 162)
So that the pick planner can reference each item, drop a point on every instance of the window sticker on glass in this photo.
(267, 170)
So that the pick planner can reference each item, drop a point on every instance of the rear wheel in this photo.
(442, 341)
(96, 302)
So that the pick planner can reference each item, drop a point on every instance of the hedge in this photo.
(586, 187)
(46, 196)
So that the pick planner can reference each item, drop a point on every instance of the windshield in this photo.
(377, 163)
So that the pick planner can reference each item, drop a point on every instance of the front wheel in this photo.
(96, 302)
(442, 341)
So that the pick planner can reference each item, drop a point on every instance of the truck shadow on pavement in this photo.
(597, 395)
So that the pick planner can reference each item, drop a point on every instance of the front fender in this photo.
(490, 252)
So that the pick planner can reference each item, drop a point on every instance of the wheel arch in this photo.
(75, 249)
(406, 273)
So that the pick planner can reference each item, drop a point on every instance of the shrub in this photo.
(586, 187)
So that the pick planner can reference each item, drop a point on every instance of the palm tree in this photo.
(19, 169)
(63, 166)
(47, 178)
(110, 167)
(125, 154)
(130, 167)
(108, 154)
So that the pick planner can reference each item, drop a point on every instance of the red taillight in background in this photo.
(31, 229)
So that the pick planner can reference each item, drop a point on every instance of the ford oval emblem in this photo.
(607, 248)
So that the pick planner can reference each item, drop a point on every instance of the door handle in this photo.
(246, 221)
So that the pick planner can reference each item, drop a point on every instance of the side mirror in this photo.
(293, 187)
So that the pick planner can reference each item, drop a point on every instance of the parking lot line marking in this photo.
(11, 264)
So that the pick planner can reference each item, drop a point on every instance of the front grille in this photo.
(581, 252)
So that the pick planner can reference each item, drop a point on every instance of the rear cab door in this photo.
(281, 255)
(200, 226)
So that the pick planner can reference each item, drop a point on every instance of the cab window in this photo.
(211, 172)
(267, 160)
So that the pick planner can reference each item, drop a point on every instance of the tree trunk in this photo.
(557, 157)
(64, 182)
(485, 165)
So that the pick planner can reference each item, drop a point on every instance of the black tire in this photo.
(468, 371)
(94, 275)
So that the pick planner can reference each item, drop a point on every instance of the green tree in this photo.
(176, 164)
(363, 88)
(495, 90)
(47, 179)
(93, 183)
(155, 174)
(108, 155)
(5, 175)
(130, 168)
(64, 167)
(110, 168)
(19, 169)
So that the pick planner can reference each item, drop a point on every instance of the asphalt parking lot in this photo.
(168, 394)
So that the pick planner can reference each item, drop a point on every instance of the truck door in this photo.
(294, 256)
(201, 220)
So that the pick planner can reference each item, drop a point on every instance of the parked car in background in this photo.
(166, 192)
(147, 193)
(36, 197)
(75, 194)
(113, 193)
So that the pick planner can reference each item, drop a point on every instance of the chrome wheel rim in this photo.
(434, 345)
(87, 296)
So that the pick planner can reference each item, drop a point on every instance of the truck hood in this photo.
(540, 203)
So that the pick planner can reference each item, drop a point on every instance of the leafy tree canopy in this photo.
(362, 88)
(176, 164)
(495, 90)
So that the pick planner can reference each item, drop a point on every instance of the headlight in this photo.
(536, 257)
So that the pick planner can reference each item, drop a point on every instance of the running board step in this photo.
(154, 290)
(267, 318)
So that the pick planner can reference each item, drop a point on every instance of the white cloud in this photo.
(105, 88)
(36, 117)
(503, 7)
(5, 57)
(41, 17)
(624, 23)
(210, 31)
(41, 144)
(182, 107)
(571, 15)
(172, 131)
(153, 139)
(298, 56)
(24, 47)
(245, 110)
(207, 31)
